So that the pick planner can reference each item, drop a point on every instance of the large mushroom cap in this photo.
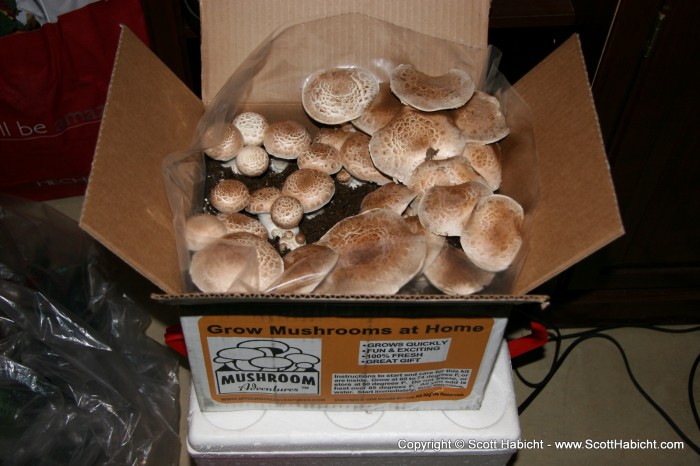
(236, 222)
(229, 196)
(338, 95)
(445, 210)
(334, 137)
(448, 172)
(252, 127)
(411, 138)
(252, 161)
(261, 200)
(223, 267)
(304, 268)
(323, 157)
(453, 273)
(486, 160)
(311, 187)
(226, 148)
(269, 263)
(431, 93)
(286, 139)
(378, 254)
(202, 230)
(383, 109)
(357, 160)
(492, 237)
(481, 119)
(393, 196)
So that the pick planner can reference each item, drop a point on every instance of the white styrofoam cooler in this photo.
(487, 436)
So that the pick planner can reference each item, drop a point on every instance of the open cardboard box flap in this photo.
(150, 114)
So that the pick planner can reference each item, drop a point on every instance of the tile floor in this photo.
(590, 399)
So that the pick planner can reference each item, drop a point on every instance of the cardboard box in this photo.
(150, 114)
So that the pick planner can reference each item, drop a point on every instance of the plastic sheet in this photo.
(80, 382)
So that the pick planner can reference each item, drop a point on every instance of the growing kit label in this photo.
(329, 360)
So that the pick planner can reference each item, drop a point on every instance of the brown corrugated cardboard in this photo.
(150, 115)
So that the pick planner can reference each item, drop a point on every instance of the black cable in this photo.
(691, 394)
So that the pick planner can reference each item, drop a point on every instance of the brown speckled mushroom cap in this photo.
(304, 268)
(311, 187)
(237, 222)
(252, 127)
(411, 138)
(221, 268)
(252, 161)
(393, 196)
(445, 210)
(481, 119)
(226, 148)
(229, 196)
(448, 172)
(201, 230)
(492, 237)
(334, 137)
(286, 212)
(269, 263)
(383, 109)
(453, 273)
(357, 160)
(286, 139)
(378, 254)
(431, 93)
(261, 200)
(322, 157)
(338, 95)
(486, 160)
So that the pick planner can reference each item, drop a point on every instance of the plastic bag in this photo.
(80, 382)
(270, 80)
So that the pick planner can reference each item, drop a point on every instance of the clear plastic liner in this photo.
(270, 80)
(80, 382)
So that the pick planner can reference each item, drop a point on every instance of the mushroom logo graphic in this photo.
(265, 355)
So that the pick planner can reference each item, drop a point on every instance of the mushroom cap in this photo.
(448, 172)
(383, 109)
(229, 196)
(252, 161)
(221, 267)
(252, 127)
(357, 160)
(311, 187)
(304, 268)
(269, 263)
(237, 221)
(486, 161)
(286, 212)
(322, 157)
(481, 119)
(411, 138)
(201, 230)
(453, 273)
(431, 93)
(338, 95)
(226, 148)
(393, 196)
(492, 237)
(261, 200)
(378, 254)
(334, 137)
(445, 210)
(286, 139)
(433, 242)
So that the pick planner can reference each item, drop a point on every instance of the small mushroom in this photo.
(492, 237)
(383, 109)
(237, 221)
(261, 200)
(448, 172)
(252, 127)
(453, 273)
(322, 157)
(486, 160)
(304, 268)
(252, 161)
(481, 119)
(445, 210)
(229, 196)
(228, 147)
(431, 93)
(286, 212)
(338, 95)
(411, 138)
(201, 230)
(311, 187)
(357, 160)
(286, 139)
(393, 196)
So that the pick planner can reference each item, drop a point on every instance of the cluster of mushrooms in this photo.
(428, 143)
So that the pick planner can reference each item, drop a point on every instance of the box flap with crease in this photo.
(150, 114)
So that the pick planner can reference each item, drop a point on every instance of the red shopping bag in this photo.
(53, 86)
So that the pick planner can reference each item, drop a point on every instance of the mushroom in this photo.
(338, 95)
(486, 160)
(201, 230)
(252, 127)
(237, 221)
(286, 212)
(411, 138)
(448, 172)
(433, 242)
(393, 196)
(357, 160)
(481, 119)
(382, 110)
(322, 157)
(492, 236)
(311, 187)
(286, 139)
(334, 137)
(221, 267)
(377, 254)
(252, 161)
(431, 93)
(304, 268)
(229, 196)
(261, 200)
(269, 263)
(228, 146)
(453, 273)
(445, 210)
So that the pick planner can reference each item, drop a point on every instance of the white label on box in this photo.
(399, 382)
(403, 351)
